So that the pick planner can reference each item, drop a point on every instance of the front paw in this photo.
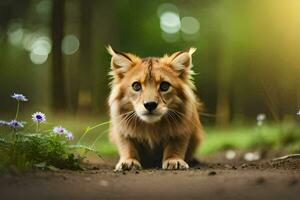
(175, 163)
(128, 164)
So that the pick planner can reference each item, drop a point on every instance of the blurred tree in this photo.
(243, 47)
(105, 30)
(84, 98)
(57, 73)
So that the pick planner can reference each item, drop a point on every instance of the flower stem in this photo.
(14, 136)
(17, 113)
(89, 129)
(98, 138)
(37, 127)
(14, 139)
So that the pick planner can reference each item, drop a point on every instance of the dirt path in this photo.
(260, 180)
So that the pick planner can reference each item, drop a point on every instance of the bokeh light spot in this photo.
(38, 59)
(15, 34)
(190, 25)
(70, 44)
(41, 46)
(170, 22)
(44, 7)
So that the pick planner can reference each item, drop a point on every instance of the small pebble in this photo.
(212, 173)
(230, 155)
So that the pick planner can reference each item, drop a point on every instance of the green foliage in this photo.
(50, 149)
(42, 150)
(274, 136)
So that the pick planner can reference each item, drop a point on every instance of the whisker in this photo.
(178, 114)
(135, 120)
(130, 118)
(127, 113)
(124, 117)
(169, 114)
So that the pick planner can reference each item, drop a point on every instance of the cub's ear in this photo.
(181, 61)
(121, 62)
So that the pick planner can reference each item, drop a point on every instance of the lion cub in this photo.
(154, 110)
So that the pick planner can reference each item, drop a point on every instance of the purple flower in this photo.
(19, 97)
(69, 136)
(62, 131)
(59, 130)
(16, 124)
(38, 117)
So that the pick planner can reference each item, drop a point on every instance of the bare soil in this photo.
(265, 179)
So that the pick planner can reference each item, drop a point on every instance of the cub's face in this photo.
(151, 88)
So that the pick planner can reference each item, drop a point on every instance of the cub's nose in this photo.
(150, 105)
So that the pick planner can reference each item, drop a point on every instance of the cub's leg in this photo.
(194, 141)
(129, 158)
(174, 153)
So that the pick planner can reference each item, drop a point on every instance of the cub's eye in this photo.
(136, 86)
(164, 86)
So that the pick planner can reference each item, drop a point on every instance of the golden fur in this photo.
(170, 133)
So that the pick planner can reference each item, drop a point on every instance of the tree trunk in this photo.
(58, 93)
(85, 68)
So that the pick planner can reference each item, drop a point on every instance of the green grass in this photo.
(78, 127)
(273, 136)
(284, 136)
